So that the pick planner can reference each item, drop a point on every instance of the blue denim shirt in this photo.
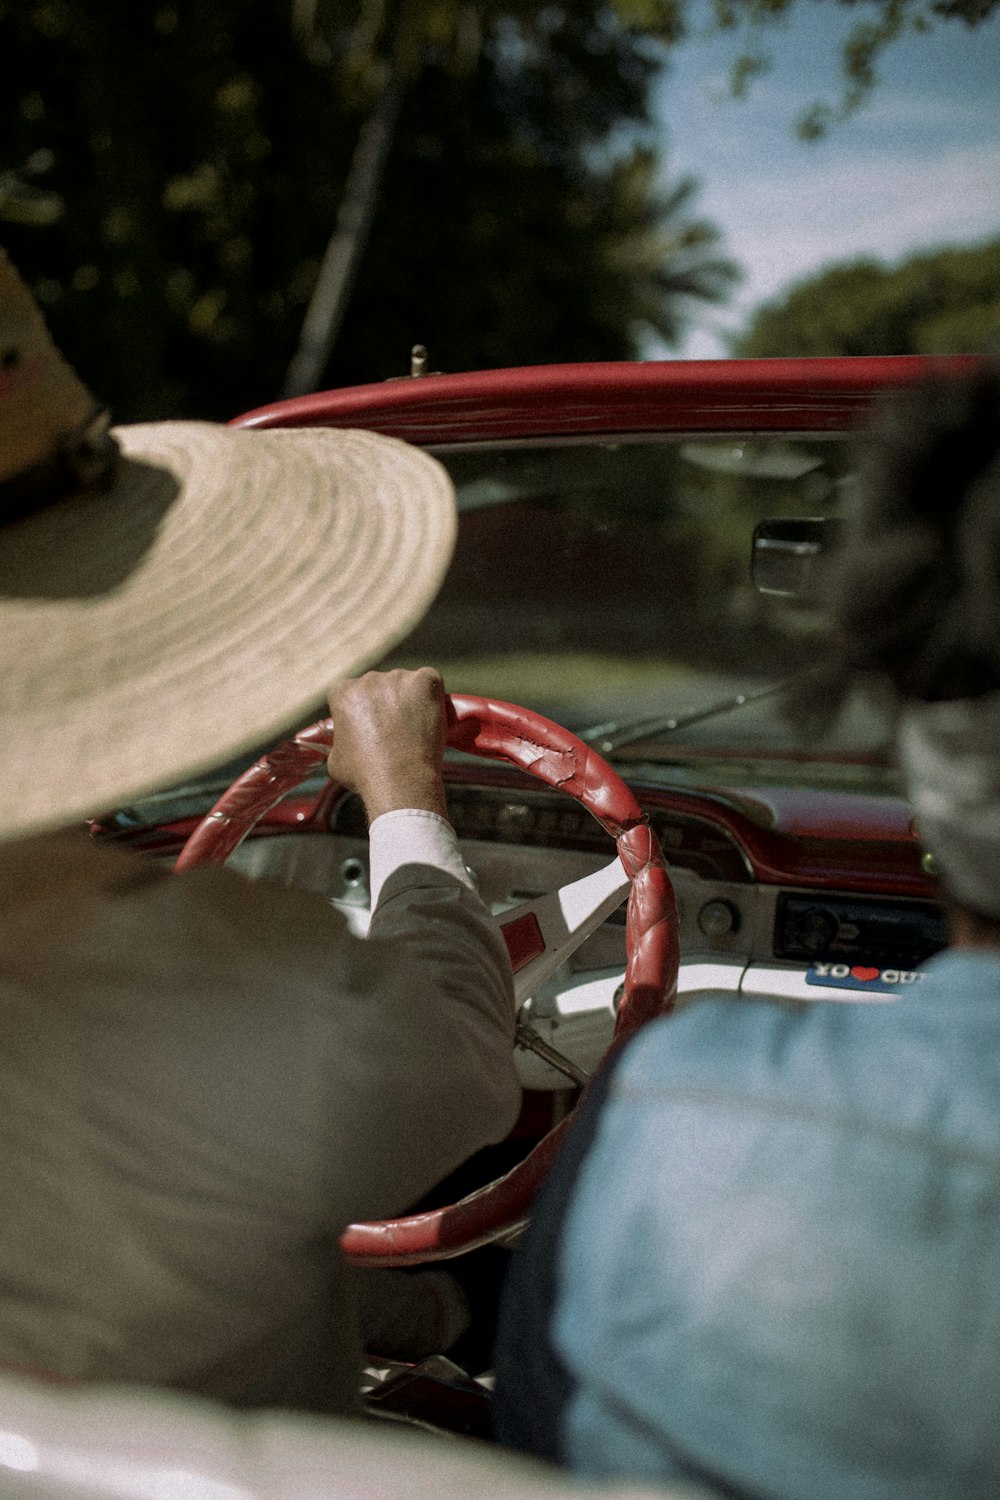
(777, 1257)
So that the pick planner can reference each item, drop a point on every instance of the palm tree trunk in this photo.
(346, 246)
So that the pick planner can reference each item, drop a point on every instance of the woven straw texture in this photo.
(204, 604)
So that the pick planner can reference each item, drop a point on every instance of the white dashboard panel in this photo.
(574, 1009)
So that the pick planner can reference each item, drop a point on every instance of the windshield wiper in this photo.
(615, 734)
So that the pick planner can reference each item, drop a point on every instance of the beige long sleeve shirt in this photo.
(202, 1080)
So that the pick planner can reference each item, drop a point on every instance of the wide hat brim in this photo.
(202, 604)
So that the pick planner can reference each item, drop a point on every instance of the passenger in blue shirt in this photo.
(768, 1259)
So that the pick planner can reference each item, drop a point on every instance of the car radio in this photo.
(904, 933)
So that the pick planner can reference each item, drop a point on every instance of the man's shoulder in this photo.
(965, 975)
(717, 1042)
(725, 1047)
(925, 1065)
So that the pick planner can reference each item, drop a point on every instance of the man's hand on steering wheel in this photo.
(389, 739)
(388, 732)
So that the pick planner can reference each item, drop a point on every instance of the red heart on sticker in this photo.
(858, 972)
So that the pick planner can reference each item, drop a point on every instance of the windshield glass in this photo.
(607, 584)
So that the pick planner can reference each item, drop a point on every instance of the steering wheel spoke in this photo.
(542, 933)
(526, 1037)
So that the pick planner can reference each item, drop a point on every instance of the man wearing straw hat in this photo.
(202, 1080)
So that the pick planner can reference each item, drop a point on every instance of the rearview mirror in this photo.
(785, 553)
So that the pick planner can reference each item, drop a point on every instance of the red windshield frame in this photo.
(557, 401)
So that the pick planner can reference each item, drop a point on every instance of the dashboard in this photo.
(796, 939)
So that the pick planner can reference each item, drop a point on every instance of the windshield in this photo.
(607, 585)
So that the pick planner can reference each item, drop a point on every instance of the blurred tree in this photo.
(558, 250)
(173, 176)
(876, 24)
(459, 30)
(174, 172)
(943, 302)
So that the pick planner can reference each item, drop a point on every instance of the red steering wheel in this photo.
(540, 933)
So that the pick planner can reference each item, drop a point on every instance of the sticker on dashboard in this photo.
(863, 977)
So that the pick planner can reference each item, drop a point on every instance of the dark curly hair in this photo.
(915, 588)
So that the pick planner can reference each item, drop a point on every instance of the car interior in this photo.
(657, 593)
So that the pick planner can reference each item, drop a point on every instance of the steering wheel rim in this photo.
(496, 731)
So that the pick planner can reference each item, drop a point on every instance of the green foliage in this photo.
(879, 23)
(173, 174)
(196, 157)
(552, 256)
(944, 302)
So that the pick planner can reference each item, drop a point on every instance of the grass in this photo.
(591, 681)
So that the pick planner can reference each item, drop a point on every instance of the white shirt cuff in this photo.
(412, 836)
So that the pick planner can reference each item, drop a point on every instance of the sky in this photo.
(917, 168)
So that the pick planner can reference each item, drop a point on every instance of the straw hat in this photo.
(174, 593)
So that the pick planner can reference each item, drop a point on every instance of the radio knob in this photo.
(717, 919)
(815, 928)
